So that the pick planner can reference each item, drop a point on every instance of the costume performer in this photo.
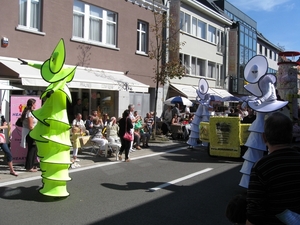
(202, 113)
(261, 85)
(52, 132)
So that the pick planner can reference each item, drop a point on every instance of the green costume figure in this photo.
(52, 132)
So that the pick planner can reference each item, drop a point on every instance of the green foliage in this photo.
(164, 71)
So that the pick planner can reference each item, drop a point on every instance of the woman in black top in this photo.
(125, 125)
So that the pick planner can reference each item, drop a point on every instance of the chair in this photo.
(114, 147)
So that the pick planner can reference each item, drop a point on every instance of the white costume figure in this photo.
(261, 85)
(202, 113)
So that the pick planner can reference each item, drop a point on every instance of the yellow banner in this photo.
(224, 136)
(244, 133)
(204, 131)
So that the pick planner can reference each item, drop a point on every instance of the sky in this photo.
(277, 20)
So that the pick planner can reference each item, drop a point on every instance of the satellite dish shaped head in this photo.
(255, 69)
(202, 88)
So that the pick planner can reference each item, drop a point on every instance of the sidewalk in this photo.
(87, 158)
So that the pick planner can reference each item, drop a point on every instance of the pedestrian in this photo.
(133, 121)
(29, 122)
(145, 136)
(78, 128)
(167, 119)
(105, 119)
(176, 110)
(5, 147)
(89, 125)
(78, 107)
(149, 121)
(97, 135)
(125, 124)
(275, 179)
(112, 131)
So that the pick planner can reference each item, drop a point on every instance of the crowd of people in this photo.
(105, 129)
(175, 115)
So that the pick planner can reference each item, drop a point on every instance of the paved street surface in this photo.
(165, 184)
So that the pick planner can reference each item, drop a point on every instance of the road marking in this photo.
(179, 179)
(87, 167)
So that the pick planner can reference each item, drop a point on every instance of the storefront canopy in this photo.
(85, 78)
(190, 91)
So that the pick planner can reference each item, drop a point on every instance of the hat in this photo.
(257, 88)
(52, 69)
(271, 104)
(267, 106)
(255, 68)
(202, 88)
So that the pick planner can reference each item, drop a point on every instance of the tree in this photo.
(160, 47)
(84, 56)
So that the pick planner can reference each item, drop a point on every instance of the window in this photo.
(211, 70)
(193, 67)
(91, 23)
(266, 52)
(142, 37)
(220, 41)
(270, 54)
(197, 66)
(187, 64)
(260, 49)
(194, 26)
(187, 23)
(30, 14)
(201, 31)
(212, 34)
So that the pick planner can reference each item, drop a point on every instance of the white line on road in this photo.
(179, 179)
(86, 168)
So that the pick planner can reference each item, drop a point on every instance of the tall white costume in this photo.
(202, 113)
(261, 85)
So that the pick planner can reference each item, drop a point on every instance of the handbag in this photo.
(19, 122)
(2, 138)
(127, 136)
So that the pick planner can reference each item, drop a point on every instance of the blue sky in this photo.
(277, 20)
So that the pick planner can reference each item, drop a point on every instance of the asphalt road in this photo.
(175, 187)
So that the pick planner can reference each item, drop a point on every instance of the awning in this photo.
(220, 92)
(186, 90)
(85, 78)
(189, 91)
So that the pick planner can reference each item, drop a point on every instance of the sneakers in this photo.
(131, 150)
(127, 160)
(75, 165)
(75, 160)
(138, 147)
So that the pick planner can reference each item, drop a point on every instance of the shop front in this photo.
(102, 90)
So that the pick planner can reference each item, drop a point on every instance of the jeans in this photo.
(7, 152)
